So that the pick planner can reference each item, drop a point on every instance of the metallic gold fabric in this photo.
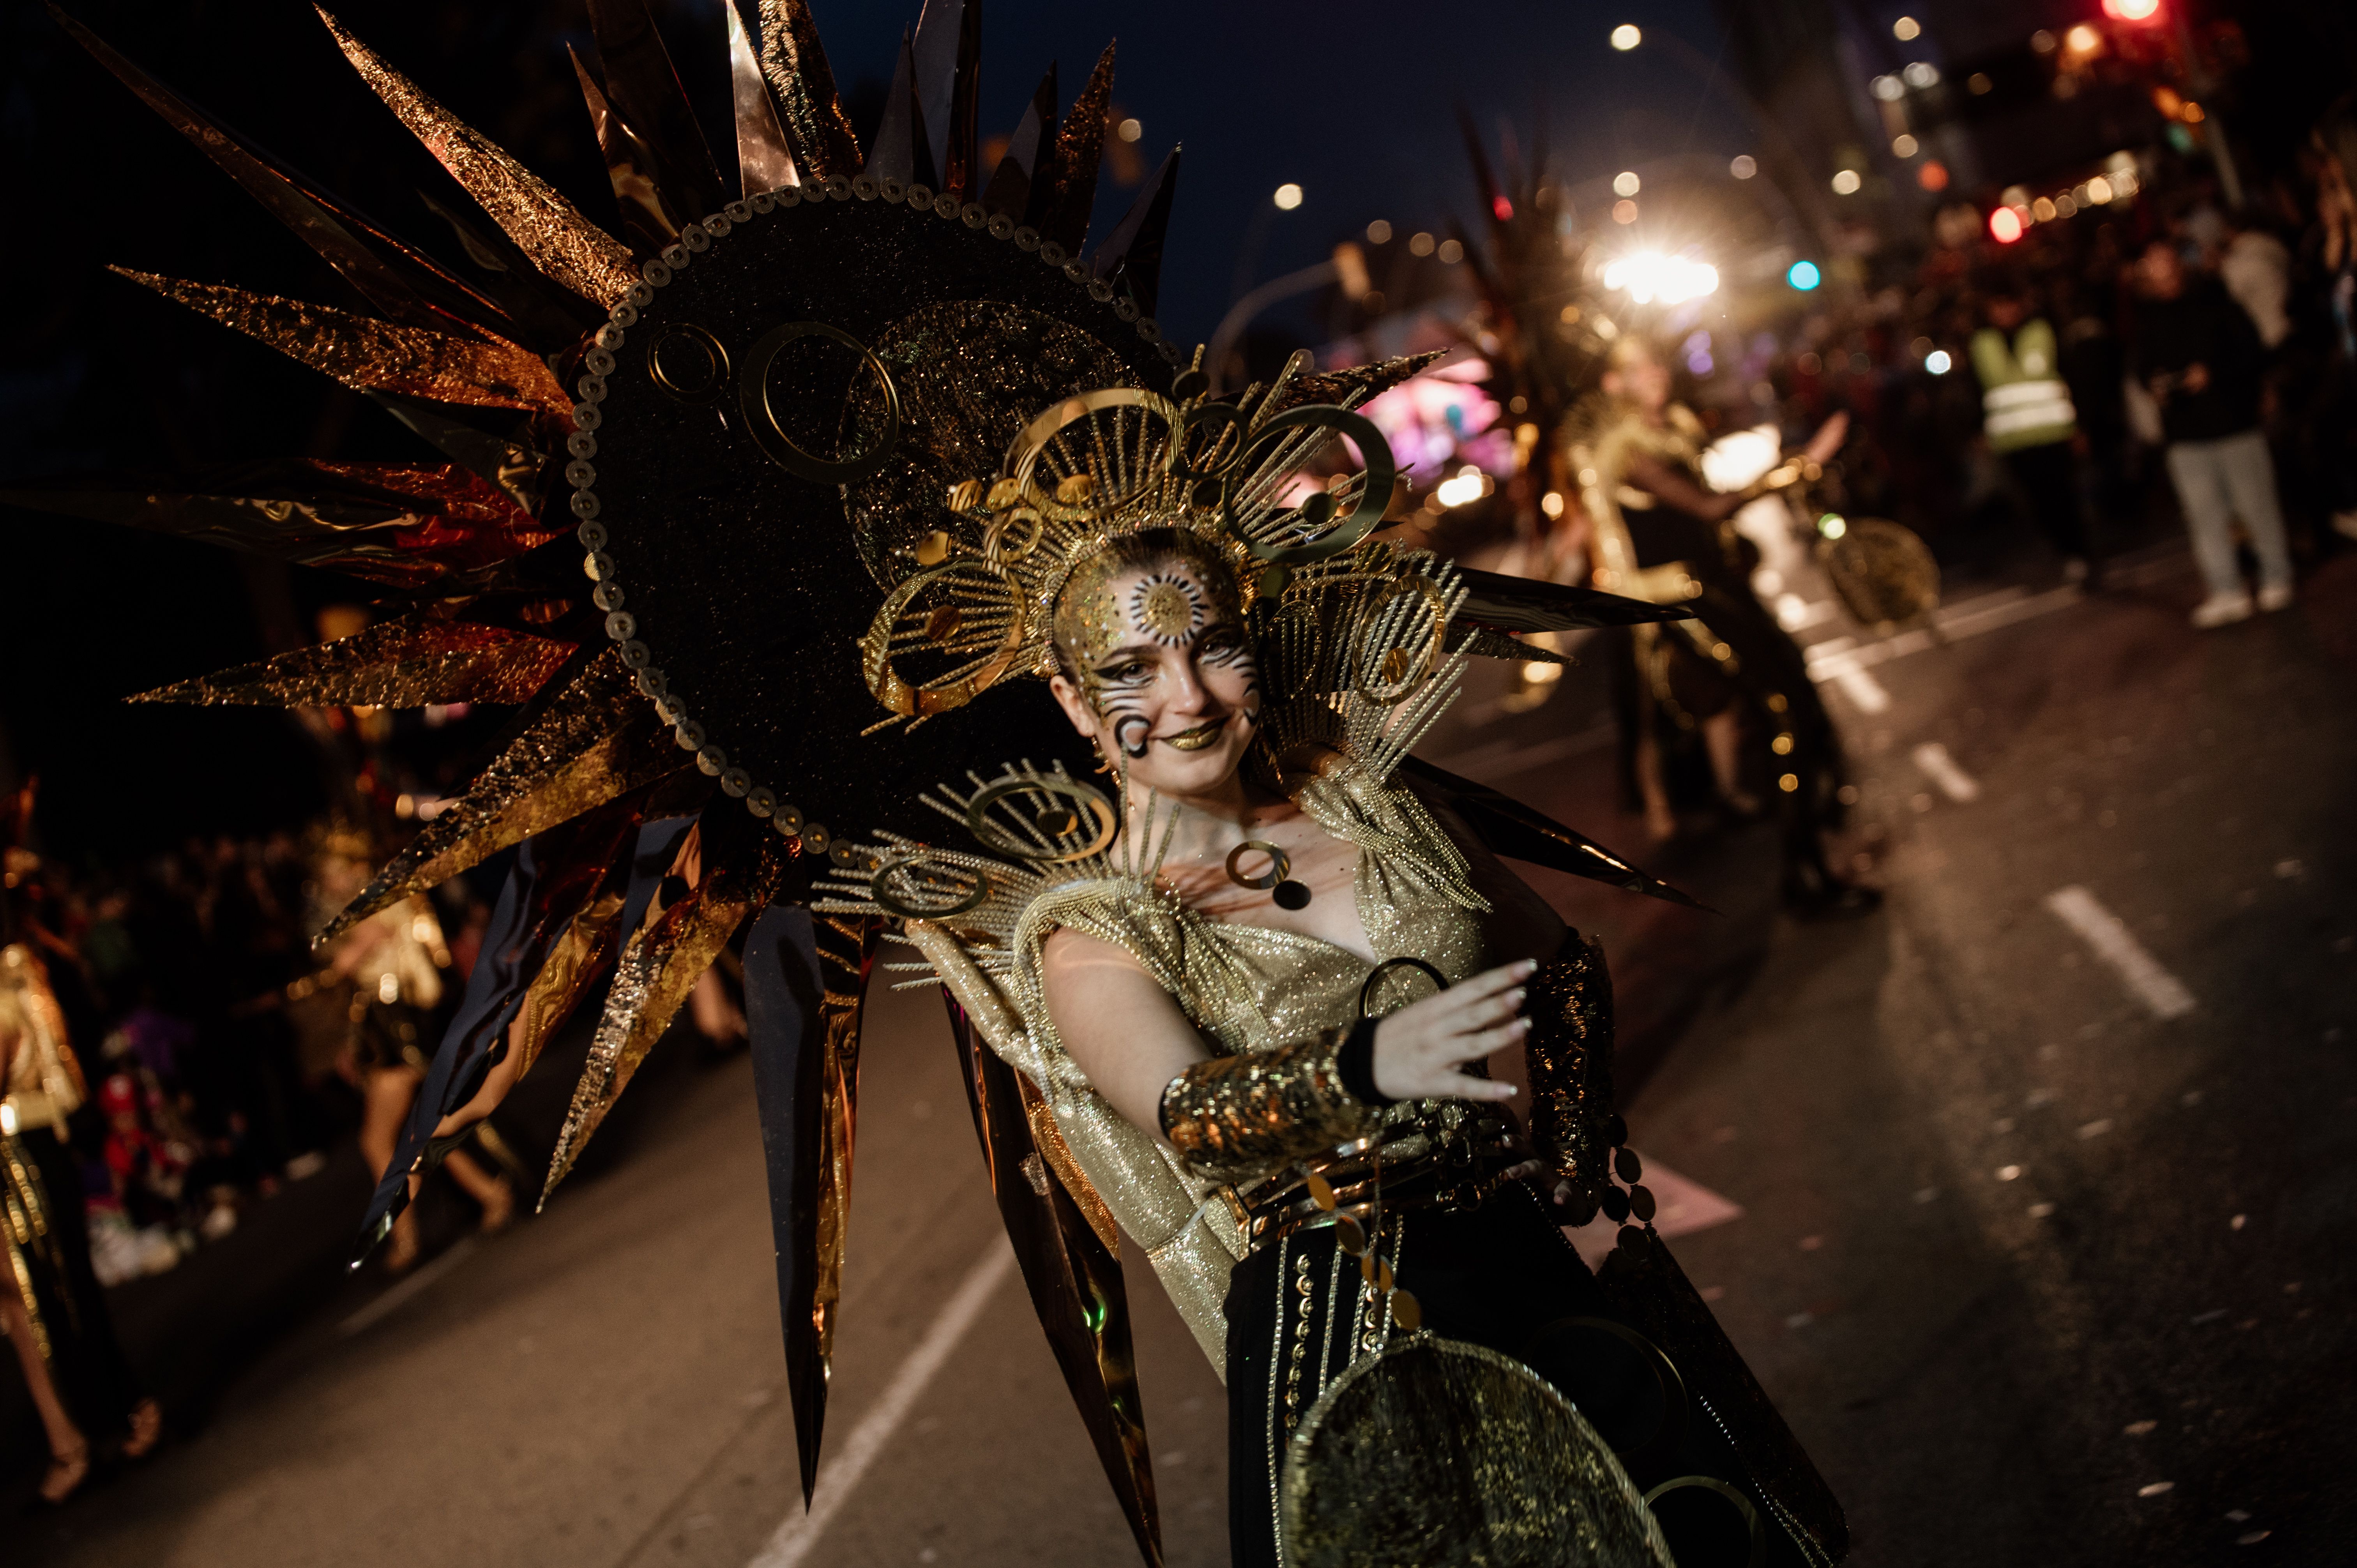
(403, 663)
(573, 960)
(368, 355)
(598, 739)
(1570, 1055)
(29, 1249)
(816, 126)
(1233, 1118)
(846, 949)
(548, 229)
(660, 964)
(44, 1084)
(1437, 1453)
(764, 161)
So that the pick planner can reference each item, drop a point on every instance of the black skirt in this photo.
(1501, 1277)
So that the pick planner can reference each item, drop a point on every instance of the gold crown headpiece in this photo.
(1091, 469)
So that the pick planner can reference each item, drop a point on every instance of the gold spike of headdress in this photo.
(1093, 467)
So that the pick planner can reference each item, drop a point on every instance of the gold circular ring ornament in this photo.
(901, 626)
(920, 888)
(761, 419)
(1013, 536)
(669, 353)
(1713, 1486)
(1436, 1454)
(1034, 810)
(1051, 477)
(1280, 865)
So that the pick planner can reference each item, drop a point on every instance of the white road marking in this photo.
(1941, 769)
(840, 1472)
(1862, 688)
(1986, 612)
(393, 1300)
(2158, 990)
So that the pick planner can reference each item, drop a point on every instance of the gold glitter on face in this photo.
(1112, 603)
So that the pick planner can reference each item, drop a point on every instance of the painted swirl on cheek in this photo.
(1235, 652)
(1120, 702)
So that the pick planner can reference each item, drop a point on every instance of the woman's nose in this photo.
(1186, 693)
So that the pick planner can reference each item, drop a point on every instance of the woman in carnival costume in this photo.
(841, 456)
(54, 1313)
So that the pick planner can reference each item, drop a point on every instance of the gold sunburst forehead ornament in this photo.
(679, 463)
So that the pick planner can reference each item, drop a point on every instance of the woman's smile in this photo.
(1198, 737)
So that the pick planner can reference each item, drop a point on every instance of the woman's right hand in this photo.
(1419, 1049)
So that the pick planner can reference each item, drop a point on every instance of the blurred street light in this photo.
(1624, 212)
(2131, 10)
(1419, 244)
(2005, 225)
(1379, 232)
(1847, 182)
(1938, 363)
(1287, 196)
(1648, 275)
(1904, 145)
(1627, 36)
(1129, 130)
(1468, 485)
(1626, 183)
(1907, 29)
(1743, 166)
(1922, 73)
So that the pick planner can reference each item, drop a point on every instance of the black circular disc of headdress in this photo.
(743, 578)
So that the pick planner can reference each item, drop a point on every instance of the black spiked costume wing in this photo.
(688, 404)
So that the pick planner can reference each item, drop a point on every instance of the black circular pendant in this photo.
(1290, 895)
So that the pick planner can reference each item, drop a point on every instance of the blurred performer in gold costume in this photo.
(1732, 677)
(50, 1304)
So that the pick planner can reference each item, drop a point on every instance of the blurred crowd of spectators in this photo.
(217, 1048)
(1900, 360)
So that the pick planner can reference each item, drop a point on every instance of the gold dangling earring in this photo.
(1098, 747)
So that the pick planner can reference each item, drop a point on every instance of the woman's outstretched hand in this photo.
(1419, 1049)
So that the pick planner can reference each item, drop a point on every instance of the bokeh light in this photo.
(1648, 275)
(1287, 196)
(1627, 36)
(2005, 225)
(1804, 275)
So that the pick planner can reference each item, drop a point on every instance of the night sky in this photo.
(1358, 104)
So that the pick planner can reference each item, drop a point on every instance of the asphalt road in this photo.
(2034, 1208)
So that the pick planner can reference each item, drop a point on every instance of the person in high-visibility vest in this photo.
(2028, 421)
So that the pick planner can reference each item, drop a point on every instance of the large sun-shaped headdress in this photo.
(725, 506)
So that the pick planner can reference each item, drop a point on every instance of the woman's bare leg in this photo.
(1661, 822)
(1722, 737)
(493, 1192)
(69, 1450)
(388, 1093)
